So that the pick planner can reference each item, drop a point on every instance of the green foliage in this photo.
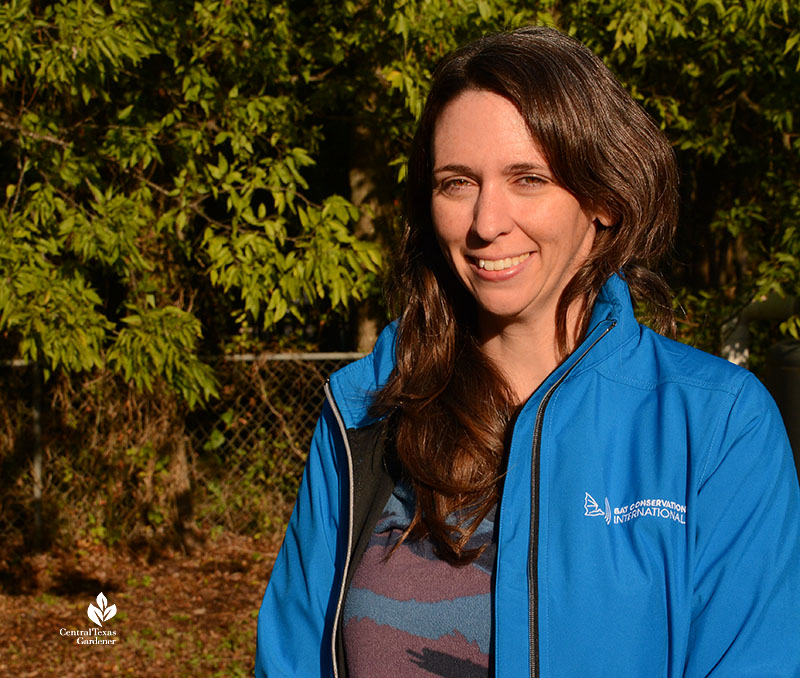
(182, 178)
(161, 341)
(178, 176)
(153, 151)
(722, 78)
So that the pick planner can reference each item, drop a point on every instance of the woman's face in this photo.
(511, 234)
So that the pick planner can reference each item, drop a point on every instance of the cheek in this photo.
(442, 227)
(569, 230)
(448, 245)
(447, 249)
(579, 246)
(451, 223)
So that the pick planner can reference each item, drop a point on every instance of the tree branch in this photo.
(14, 127)
(192, 206)
(22, 171)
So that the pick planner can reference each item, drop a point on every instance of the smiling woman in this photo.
(513, 236)
(522, 479)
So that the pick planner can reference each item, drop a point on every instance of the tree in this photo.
(153, 170)
(187, 178)
(174, 169)
(722, 79)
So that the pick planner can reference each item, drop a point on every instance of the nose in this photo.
(491, 217)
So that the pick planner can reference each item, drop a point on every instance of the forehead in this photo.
(482, 126)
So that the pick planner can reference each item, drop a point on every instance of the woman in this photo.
(521, 480)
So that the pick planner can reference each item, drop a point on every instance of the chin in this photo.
(503, 313)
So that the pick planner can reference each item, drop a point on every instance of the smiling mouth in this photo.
(501, 264)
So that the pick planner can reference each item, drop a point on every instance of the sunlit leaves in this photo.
(162, 342)
(152, 149)
(276, 274)
(167, 166)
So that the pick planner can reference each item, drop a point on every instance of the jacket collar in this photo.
(614, 303)
(613, 308)
(352, 386)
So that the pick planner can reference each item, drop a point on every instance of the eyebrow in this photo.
(508, 169)
(458, 169)
(526, 167)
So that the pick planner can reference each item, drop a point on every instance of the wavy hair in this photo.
(448, 404)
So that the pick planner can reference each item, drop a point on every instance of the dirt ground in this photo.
(181, 615)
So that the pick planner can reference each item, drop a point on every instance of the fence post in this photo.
(37, 454)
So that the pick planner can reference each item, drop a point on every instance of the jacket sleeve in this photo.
(296, 615)
(746, 598)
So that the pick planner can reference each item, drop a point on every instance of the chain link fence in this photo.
(115, 465)
(250, 447)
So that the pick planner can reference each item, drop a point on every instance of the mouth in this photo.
(501, 264)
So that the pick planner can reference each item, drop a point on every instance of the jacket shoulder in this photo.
(651, 360)
(354, 385)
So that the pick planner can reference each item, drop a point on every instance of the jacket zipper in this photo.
(349, 455)
(533, 617)
(533, 538)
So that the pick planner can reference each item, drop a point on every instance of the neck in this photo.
(526, 352)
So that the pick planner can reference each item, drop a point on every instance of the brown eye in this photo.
(531, 180)
(454, 185)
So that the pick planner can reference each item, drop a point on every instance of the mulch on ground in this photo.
(182, 615)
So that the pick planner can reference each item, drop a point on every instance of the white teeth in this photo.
(501, 264)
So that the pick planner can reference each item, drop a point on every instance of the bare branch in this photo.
(22, 171)
(193, 206)
(5, 124)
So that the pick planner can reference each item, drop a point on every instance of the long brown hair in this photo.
(448, 405)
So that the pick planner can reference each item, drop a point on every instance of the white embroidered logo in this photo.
(591, 508)
(655, 508)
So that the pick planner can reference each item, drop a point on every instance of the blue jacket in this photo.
(649, 524)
